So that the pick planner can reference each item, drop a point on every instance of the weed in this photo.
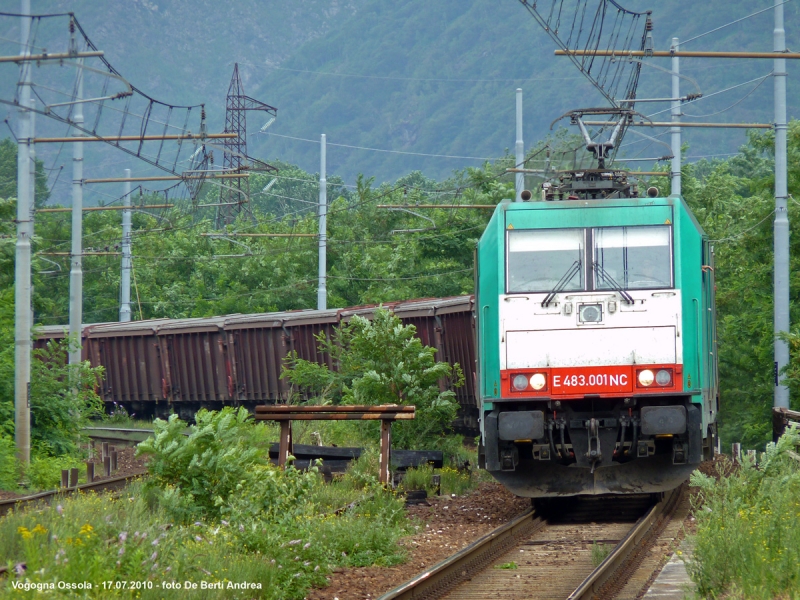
(8, 463)
(599, 553)
(509, 565)
(456, 482)
(746, 546)
(419, 478)
(135, 538)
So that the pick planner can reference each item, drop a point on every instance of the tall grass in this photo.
(748, 543)
(213, 511)
(99, 538)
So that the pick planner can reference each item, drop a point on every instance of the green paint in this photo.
(688, 238)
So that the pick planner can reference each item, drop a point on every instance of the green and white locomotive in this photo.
(597, 364)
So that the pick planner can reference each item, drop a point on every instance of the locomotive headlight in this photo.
(520, 382)
(538, 380)
(590, 313)
(646, 378)
(663, 377)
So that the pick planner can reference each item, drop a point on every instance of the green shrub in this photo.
(208, 465)
(746, 545)
(419, 478)
(9, 470)
(44, 472)
(456, 482)
(63, 399)
(383, 362)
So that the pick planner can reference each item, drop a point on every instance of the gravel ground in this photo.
(448, 524)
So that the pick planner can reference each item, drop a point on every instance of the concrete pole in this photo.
(32, 167)
(76, 262)
(23, 314)
(676, 118)
(322, 291)
(125, 276)
(519, 150)
(781, 227)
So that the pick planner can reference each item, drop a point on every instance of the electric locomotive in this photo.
(596, 368)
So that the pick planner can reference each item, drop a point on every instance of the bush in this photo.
(9, 470)
(746, 545)
(44, 472)
(219, 470)
(383, 362)
(63, 400)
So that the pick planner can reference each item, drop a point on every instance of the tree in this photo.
(383, 362)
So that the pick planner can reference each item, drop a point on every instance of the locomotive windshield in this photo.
(633, 257)
(621, 258)
(539, 259)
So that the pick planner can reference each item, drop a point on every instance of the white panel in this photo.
(543, 240)
(620, 237)
(590, 347)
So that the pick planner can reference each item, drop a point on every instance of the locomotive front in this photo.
(596, 364)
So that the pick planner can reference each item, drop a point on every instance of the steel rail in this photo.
(113, 483)
(624, 550)
(482, 550)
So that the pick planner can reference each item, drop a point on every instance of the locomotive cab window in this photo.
(634, 258)
(539, 259)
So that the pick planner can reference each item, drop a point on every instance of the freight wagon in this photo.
(160, 366)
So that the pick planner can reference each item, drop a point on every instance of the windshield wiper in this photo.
(626, 297)
(562, 283)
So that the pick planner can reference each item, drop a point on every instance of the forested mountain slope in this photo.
(415, 76)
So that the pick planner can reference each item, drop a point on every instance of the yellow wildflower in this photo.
(86, 529)
(39, 529)
(23, 531)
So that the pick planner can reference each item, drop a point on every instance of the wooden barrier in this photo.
(781, 417)
(386, 413)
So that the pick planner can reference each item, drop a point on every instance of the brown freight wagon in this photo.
(161, 366)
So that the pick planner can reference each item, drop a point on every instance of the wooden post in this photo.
(285, 447)
(64, 478)
(73, 477)
(104, 451)
(437, 483)
(89, 471)
(107, 466)
(386, 450)
(113, 454)
(736, 451)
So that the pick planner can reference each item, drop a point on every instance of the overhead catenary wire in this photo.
(383, 149)
(763, 10)
(706, 96)
(746, 231)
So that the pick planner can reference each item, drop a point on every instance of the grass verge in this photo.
(747, 544)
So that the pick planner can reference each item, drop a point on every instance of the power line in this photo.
(733, 87)
(389, 77)
(739, 101)
(734, 22)
(383, 150)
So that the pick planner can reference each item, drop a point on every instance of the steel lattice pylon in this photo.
(235, 194)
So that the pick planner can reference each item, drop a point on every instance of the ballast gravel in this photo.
(448, 524)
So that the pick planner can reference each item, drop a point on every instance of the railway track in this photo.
(104, 485)
(546, 553)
